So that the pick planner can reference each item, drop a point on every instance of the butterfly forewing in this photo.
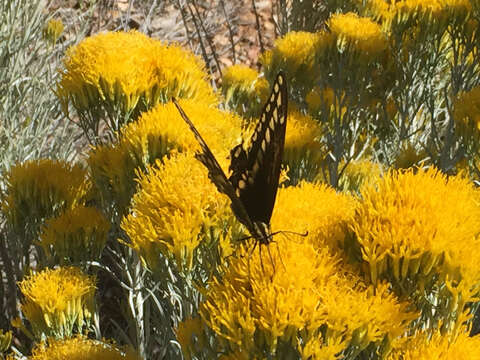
(216, 174)
(256, 170)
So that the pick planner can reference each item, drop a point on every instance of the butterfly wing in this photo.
(256, 170)
(216, 174)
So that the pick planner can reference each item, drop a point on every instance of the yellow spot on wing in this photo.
(267, 135)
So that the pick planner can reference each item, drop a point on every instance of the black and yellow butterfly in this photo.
(252, 186)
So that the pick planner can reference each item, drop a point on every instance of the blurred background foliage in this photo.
(115, 244)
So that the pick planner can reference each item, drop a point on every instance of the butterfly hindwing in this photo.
(256, 170)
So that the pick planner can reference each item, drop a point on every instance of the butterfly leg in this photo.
(261, 260)
(250, 253)
(280, 256)
(271, 260)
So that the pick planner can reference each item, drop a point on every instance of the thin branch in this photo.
(202, 46)
(259, 29)
(209, 40)
(148, 18)
(230, 31)
(185, 24)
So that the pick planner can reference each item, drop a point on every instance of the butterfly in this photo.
(255, 169)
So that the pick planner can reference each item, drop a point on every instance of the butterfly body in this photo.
(255, 167)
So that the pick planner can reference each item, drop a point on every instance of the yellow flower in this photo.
(360, 34)
(129, 72)
(162, 129)
(53, 30)
(303, 151)
(283, 293)
(314, 208)
(79, 234)
(174, 210)
(409, 156)
(154, 135)
(428, 11)
(80, 348)
(57, 301)
(318, 99)
(191, 336)
(466, 113)
(425, 346)
(294, 53)
(316, 349)
(39, 189)
(302, 133)
(421, 225)
(244, 78)
(360, 172)
(289, 295)
(244, 90)
(365, 314)
(325, 101)
(5, 340)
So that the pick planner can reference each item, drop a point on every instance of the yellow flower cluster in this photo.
(5, 340)
(81, 348)
(314, 208)
(409, 156)
(174, 210)
(425, 10)
(326, 101)
(318, 99)
(290, 295)
(53, 30)
(295, 54)
(466, 113)
(360, 34)
(58, 301)
(244, 90)
(421, 225)
(39, 189)
(360, 172)
(154, 135)
(303, 152)
(162, 129)
(191, 336)
(128, 71)
(302, 134)
(77, 235)
(294, 294)
(425, 346)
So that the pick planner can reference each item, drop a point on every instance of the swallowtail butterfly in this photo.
(252, 186)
